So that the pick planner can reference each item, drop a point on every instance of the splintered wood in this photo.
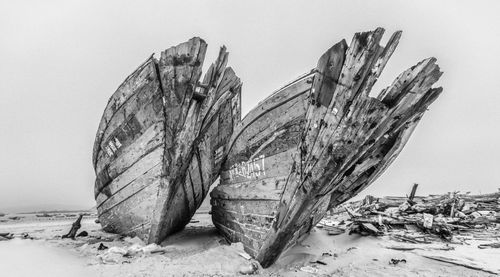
(452, 217)
(316, 143)
(154, 146)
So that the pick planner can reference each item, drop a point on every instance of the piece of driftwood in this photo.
(6, 236)
(316, 143)
(160, 141)
(461, 262)
(74, 228)
(419, 247)
(413, 192)
(489, 245)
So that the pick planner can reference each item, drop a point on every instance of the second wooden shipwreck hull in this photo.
(316, 143)
(160, 142)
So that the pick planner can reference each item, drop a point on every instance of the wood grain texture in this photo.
(339, 140)
(155, 146)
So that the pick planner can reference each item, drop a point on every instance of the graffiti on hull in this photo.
(250, 169)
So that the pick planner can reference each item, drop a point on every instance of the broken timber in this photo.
(74, 228)
(160, 141)
(316, 143)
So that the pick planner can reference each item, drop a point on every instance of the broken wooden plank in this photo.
(74, 228)
(462, 262)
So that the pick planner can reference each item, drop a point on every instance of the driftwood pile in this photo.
(454, 217)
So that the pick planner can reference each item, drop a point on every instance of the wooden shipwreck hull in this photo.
(160, 141)
(316, 143)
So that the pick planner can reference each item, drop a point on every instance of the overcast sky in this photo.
(60, 61)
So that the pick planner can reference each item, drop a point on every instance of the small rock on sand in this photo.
(249, 268)
(82, 234)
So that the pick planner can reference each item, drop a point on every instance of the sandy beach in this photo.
(199, 250)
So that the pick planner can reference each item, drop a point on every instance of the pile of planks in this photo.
(452, 217)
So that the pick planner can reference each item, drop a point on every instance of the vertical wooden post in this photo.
(413, 191)
(74, 228)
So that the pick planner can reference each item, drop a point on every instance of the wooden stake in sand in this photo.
(74, 228)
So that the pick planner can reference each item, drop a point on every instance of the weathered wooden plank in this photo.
(360, 179)
(379, 65)
(245, 193)
(328, 71)
(129, 190)
(127, 216)
(139, 168)
(172, 208)
(259, 168)
(139, 78)
(150, 140)
(254, 224)
(243, 206)
(120, 192)
(128, 127)
(278, 121)
(266, 189)
(275, 101)
(235, 236)
(360, 53)
(195, 175)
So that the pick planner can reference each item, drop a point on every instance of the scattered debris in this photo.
(110, 257)
(489, 245)
(134, 240)
(333, 231)
(248, 269)
(396, 261)
(407, 238)
(320, 262)
(416, 219)
(245, 255)
(152, 249)
(309, 269)
(25, 236)
(115, 254)
(100, 239)
(102, 247)
(117, 250)
(74, 228)
(44, 215)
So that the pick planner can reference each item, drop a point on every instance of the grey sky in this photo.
(61, 60)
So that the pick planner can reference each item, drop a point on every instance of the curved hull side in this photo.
(129, 154)
(245, 203)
